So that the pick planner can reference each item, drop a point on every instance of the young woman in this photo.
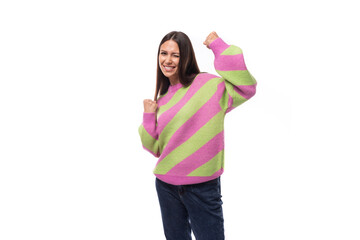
(184, 127)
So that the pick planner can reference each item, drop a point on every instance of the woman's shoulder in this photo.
(204, 76)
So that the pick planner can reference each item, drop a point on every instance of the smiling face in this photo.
(169, 58)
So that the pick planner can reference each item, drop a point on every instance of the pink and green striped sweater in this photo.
(187, 131)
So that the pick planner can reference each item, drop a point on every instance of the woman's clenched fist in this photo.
(210, 38)
(150, 105)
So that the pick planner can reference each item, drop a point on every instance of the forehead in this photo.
(170, 46)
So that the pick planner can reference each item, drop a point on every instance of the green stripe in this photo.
(213, 127)
(232, 50)
(237, 98)
(147, 140)
(224, 101)
(210, 167)
(175, 99)
(238, 77)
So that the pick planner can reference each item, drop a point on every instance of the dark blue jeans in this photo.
(196, 207)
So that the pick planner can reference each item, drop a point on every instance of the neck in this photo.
(174, 80)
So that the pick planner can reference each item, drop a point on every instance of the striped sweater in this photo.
(186, 132)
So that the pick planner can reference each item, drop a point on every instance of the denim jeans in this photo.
(196, 207)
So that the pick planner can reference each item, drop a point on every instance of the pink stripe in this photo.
(184, 180)
(149, 121)
(168, 115)
(247, 91)
(229, 109)
(200, 157)
(218, 46)
(195, 122)
(165, 99)
(230, 62)
(156, 155)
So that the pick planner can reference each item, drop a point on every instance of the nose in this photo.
(168, 59)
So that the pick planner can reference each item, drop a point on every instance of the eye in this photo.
(163, 53)
(177, 56)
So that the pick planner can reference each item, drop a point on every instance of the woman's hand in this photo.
(150, 105)
(210, 38)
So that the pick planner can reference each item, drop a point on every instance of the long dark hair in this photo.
(187, 68)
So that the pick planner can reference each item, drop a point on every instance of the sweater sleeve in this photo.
(148, 133)
(229, 63)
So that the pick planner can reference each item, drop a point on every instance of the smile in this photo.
(169, 68)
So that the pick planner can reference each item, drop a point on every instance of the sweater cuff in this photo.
(149, 117)
(218, 46)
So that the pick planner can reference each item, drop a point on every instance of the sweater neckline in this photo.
(175, 86)
(179, 85)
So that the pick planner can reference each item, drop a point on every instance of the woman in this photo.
(184, 128)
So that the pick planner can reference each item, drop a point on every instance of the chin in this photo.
(168, 75)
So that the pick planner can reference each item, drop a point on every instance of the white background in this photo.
(74, 75)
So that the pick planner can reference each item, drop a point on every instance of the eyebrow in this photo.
(166, 51)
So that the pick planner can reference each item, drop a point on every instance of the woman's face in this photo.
(169, 58)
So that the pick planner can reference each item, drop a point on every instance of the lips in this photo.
(169, 68)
